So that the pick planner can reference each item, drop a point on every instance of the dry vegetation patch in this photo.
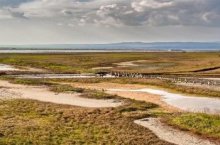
(201, 124)
(32, 122)
(151, 62)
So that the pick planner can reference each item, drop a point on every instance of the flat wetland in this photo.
(30, 120)
(158, 62)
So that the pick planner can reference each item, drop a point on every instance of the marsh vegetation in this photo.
(34, 122)
(160, 62)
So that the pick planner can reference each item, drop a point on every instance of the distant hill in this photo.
(155, 46)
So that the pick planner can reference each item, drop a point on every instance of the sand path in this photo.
(15, 91)
(170, 134)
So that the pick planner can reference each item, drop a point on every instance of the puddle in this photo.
(184, 102)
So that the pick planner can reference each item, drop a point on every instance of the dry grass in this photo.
(201, 124)
(160, 62)
(32, 122)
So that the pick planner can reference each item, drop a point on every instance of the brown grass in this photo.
(203, 125)
(160, 62)
(32, 122)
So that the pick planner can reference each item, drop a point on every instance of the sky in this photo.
(108, 21)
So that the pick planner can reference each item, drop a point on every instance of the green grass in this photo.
(94, 94)
(201, 124)
(160, 62)
(32, 122)
(65, 88)
(34, 82)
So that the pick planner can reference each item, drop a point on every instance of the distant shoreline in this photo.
(40, 50)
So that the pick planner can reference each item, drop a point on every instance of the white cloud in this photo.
(141, 5)
(121, 12)
(110, 18)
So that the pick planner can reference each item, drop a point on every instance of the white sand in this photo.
(171, 135)
(4, 67)
(43, 94)
(126, 64)
(215, 79)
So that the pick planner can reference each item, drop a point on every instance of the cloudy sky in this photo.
(106, 21)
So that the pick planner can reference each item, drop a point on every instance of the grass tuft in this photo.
(201, 124)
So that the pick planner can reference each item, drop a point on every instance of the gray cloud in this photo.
(88, 21)
(120, 12)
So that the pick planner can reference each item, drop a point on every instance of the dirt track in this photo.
(171, 135)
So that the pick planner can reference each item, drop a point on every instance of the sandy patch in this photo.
(184, 102)
(4, 67)
(98, 68)
(141, 96)
(15, 91)
(167, 100)
(171, 135)
(215, 79)
(129, 63)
